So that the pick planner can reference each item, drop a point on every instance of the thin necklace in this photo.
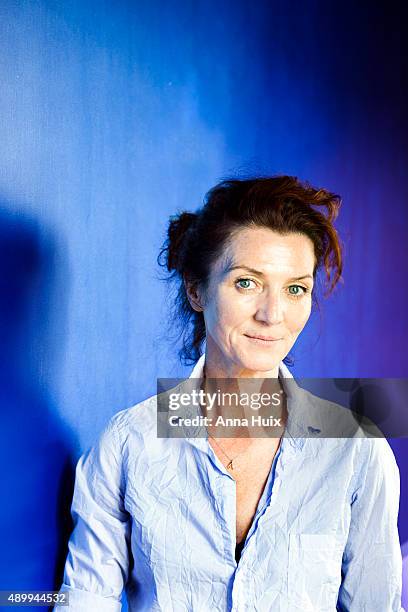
(230, 461)
(229, 466)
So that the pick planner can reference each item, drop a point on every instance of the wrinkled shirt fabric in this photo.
(157, 517)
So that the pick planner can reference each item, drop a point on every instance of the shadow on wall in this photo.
(36, 459)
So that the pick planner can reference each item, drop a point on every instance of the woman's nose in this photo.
(270, 308)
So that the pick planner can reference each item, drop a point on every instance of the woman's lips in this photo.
(263, 340)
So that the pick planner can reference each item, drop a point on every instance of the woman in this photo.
(289, 521)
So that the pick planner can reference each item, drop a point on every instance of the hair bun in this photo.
(179, 226)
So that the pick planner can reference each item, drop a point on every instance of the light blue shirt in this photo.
(159, 516)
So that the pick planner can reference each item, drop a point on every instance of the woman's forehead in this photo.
(262, 251)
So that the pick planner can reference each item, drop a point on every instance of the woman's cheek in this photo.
(299, 316)
(307, 309)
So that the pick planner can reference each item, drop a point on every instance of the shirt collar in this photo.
(296, 428)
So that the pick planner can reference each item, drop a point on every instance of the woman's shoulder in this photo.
(355, 434)
(138, 419)
(331, 419)
(142, 423)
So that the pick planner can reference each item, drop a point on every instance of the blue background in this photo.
(115, 115)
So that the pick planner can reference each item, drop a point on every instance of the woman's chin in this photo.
(261, 362)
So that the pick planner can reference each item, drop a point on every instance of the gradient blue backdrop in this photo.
(115, 115)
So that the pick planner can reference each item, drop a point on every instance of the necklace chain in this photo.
(230, 460)
(229, 466)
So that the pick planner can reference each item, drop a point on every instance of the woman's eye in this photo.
(245, 283)
(297, 290)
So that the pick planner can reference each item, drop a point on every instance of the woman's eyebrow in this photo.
(302, 277)
(230, 268)
(253, 271)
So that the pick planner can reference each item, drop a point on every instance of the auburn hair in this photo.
(283, 204)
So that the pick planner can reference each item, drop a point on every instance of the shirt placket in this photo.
(243, 596)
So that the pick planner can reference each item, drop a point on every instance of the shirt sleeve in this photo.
(96, 568)
(372, 560)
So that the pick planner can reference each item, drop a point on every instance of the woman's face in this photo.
(257, 301)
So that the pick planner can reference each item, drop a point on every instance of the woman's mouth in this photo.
(263, 340)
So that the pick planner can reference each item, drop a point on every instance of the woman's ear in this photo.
(194, 295)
